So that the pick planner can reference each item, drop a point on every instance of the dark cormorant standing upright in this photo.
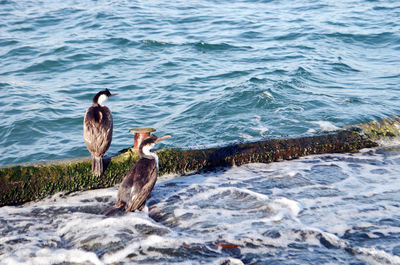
(140, 180)
(97, 130)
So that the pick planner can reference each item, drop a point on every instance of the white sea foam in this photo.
(259, 126)
(289, 108)
(325, 126)
(320, 202)
(375, 256)
(284, 207)
(153, 241)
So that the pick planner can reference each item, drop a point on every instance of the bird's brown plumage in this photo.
(97, 130)
(137, 185)
(140, 180)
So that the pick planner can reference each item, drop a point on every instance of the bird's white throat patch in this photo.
(147, 152)
(102, 99)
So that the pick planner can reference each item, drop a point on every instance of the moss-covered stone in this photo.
(20, 184)
(184, 161)
(385, 128)
(23, 183)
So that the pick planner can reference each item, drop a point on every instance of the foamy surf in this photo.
(331, 209)
(324, 126)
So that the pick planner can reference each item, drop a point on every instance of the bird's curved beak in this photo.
(163, 138)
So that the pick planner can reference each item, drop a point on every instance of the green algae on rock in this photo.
(378, 130)
(23, 183)
(20, 184)
(184, 161)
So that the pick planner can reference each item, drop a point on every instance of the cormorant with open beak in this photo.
(140, 180)
(97, 130)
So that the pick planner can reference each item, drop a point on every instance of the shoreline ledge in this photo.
(33, 181)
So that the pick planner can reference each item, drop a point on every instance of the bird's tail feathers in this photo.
(97, 166)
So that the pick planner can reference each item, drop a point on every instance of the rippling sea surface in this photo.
(209, 73)
(206, 72)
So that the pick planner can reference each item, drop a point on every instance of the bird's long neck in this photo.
(146, 152)
(99, 100)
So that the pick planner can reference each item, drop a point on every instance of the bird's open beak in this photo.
(163, 138)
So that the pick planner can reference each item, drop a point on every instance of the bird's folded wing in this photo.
(144, 193)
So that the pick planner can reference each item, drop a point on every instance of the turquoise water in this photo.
(207, 72)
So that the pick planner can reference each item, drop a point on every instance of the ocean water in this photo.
(326, 209)
(207, 72)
